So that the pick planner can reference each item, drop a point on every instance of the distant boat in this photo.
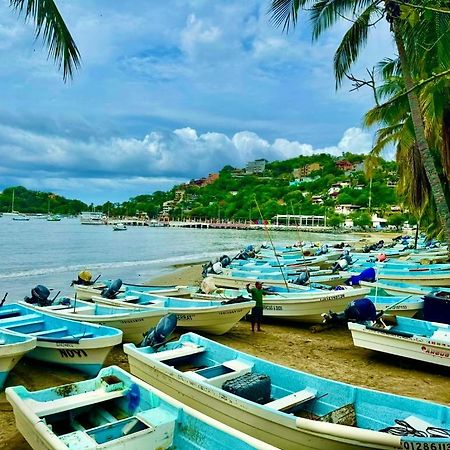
(16, 215)
(117, 411)
(21, 217)
(119, 227)
(92, 218)
(53, 218)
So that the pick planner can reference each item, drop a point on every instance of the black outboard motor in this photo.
(39, 296)
(361, 311)
(225, 260)
(342, 263)
(113, 289)
(157, 336)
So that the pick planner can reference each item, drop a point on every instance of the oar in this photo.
(74, 302)
(397, 303)
(99, 275)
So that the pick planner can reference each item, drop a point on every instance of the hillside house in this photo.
(306, 170)
(344, 165)
(346, 209)
(256, 166)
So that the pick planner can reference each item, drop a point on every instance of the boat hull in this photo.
(421, 350)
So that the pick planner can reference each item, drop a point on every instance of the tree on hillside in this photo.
(362, 14)
(49, 24)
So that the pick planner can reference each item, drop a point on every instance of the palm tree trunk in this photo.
(419, 130)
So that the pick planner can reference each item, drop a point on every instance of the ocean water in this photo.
(52, 253)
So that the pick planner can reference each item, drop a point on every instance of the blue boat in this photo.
(12, 347)
(285, 407)
(77, 345)
(116, 411)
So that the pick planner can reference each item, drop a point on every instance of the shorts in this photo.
(257, 313)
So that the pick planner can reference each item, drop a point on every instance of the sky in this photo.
(170, 91)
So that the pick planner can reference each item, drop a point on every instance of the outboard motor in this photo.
(302, 279)
(157, 336)
(366, 275)
(84, 279)
(39, 296)
(361, 311)
(113, 289)
(342, 263)
(225, 260)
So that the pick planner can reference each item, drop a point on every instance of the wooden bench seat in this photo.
(46, 332)
(13, 326)
(185, 350)
(11, 313)
(5, 321)
(295, 399)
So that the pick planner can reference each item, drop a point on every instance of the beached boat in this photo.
(77, 345)
(12, 347)
(212, 317)
(396, 288)
(282, 406)
(133, 323)
(84, 292)
(411, 338)
(116, 411)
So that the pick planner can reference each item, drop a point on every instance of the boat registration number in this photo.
(426, 445)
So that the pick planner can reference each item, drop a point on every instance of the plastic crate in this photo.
(255, 387)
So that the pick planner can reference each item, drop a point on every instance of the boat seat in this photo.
(53, 331)
(82, 335)
(187, 349)
(18, 318)
(294, 399)
(10, 313)
(441, 335)
(72, 402)
(12, 326)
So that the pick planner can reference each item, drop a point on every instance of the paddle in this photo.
(397, 303)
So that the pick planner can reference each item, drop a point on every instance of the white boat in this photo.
(282, 406)
(78, 345)
(12, 347)
(93, 218)
(396, 288)
(212, 317)
(119, 227)
(301, 306)
(88, 292)
(21, 217)
(133, 323)
(116, 411)
(410, 338)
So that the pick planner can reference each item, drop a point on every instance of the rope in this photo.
(405, 429)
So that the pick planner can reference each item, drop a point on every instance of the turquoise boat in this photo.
(12, 347)
(116, 411)
(80, 346)
(285, 407)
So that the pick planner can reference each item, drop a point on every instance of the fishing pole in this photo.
(273, 246)
(301, 248)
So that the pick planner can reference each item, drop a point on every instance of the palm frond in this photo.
(285, 13)
(50, 25)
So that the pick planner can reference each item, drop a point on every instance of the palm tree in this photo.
(50, 25)
(364, 13)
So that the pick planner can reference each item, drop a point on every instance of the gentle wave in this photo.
(164, 262)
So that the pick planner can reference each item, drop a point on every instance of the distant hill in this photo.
(26, 201)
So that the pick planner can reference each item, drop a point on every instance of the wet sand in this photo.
(329, 354)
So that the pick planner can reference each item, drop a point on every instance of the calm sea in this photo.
(52, 253)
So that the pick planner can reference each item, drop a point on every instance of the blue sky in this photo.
(170, 91)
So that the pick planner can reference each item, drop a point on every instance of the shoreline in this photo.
(328, 354)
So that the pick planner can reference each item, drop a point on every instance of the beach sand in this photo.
(329, 354)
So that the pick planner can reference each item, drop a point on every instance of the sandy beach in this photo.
(329, 354)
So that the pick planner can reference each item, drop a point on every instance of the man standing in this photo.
(257, 312)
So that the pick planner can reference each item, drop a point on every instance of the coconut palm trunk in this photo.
(419, 130)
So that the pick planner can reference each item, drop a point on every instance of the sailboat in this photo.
(15, 214)
(52, 217)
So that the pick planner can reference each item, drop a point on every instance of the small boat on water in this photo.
(132, 322)
(116, 411)
(21, 218)
(77, 345)
(119, 227)
(53, 218)
(285, 407)
(410, 338)
(208, 316)
(12, 347)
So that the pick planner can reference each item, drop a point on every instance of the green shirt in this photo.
(257, 296)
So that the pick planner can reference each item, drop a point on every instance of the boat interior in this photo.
(295, 393)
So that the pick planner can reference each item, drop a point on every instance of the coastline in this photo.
(329, 354)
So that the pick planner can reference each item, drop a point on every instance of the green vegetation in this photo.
(26, 201)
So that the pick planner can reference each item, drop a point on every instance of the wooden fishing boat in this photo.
(12, 347)
(116, 411)
(397, 288)
(212, 317)
(410, 338)
(133, 323)
(282, 406)
(77, 345)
